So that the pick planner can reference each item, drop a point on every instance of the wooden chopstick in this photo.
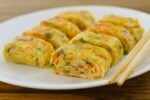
(133, 64)
(130, 56)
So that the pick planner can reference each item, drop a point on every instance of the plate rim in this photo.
(67, 87)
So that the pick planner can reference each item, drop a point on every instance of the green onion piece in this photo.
(51, 65)
(64, 55)
(38, 48)
(87, 62)
(82, 40)
(67, 63)
(98, 38)
(119, 46)
(8, 49)
(48, 34)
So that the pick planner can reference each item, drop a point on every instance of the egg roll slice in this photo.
(72, 61)
(110, 43)
(68, 28)
(28, 50)
(52, 35)
(131, 24)
(98, 51)
(117, 31)
(87, 16)
(77, 18)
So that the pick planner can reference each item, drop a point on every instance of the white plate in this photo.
(26, 76)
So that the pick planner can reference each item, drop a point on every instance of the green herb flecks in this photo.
(87, 62)
(8, 49)
(67, 63)
(64, 55)
(51, 65)
(98, 38)
(48, 34)
(119, 47)
(38, 48)
(82, 40)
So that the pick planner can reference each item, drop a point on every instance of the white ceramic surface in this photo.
(22, 75)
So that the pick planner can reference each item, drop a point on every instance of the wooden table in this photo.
(134, 89)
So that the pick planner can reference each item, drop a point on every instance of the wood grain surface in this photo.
(134, 89)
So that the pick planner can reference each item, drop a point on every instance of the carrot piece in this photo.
(90, 65)
(55, 56)
(68, 59)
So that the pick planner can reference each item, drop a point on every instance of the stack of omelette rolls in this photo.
(55, 32)
(72, 43)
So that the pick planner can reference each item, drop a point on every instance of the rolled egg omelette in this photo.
(49, 34)
(28, 50)
(81, 61)
(83, 19)
(110, 43)
(67, 27)
(120, 32)
(131, 24)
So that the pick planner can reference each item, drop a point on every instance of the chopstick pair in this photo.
(132, 60)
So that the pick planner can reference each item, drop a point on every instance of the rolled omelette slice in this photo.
(117, 31)
(88, 16)
(68, 28)
(73, 61)
(77, 18)
(131, 24)
(98, 51)
(52, 35)
(28, 50)
(110, 43)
